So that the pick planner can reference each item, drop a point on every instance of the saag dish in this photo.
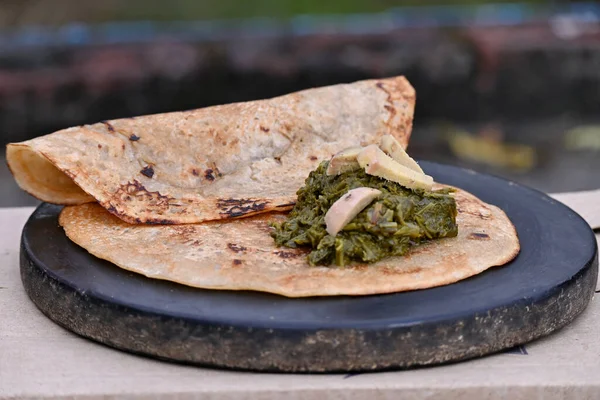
(191, 197)
(397, 220)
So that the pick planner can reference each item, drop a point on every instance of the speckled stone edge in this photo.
(290, 350)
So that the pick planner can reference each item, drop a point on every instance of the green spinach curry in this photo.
(389, 226)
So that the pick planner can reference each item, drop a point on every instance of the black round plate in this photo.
(549, 283)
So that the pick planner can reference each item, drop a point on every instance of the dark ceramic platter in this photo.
(550, 282)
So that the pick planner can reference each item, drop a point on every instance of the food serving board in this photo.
(545, 287)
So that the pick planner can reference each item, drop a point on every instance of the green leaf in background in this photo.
(57, 12)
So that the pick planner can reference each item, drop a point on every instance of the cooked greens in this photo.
(398, 219)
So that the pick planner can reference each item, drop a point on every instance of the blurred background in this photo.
(511, 89)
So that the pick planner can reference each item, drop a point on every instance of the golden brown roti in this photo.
(240, 254)
(214, 163)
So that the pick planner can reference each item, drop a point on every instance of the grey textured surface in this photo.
(547, 286)
(41, 360)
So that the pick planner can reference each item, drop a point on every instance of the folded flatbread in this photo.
(240, 254)
(214, 163)
(196, 173)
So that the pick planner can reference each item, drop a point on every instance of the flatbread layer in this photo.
(214, 163)
(241, 255)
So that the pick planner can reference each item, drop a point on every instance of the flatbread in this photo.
(214, 163)
(240, 254)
